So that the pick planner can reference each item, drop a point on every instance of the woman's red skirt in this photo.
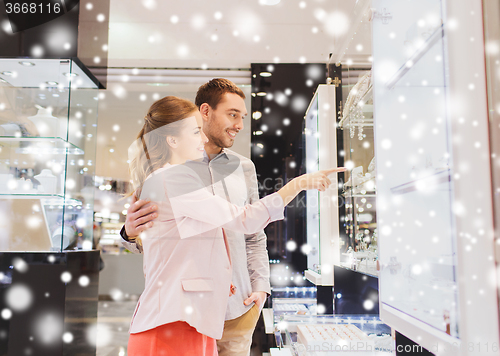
(172, 339)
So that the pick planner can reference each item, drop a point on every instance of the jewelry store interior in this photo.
(398, 257)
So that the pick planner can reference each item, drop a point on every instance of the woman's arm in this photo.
(317, 180)
(210, 211)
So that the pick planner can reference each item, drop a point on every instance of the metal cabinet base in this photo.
(48, 303)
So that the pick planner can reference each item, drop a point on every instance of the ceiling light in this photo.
(158, 84)
(27, 64)
(261, 93)
(257, 133)
(51, 83)
(70, 75)
(269, 2)
(7, 73)
(265, 74)
(256, 115)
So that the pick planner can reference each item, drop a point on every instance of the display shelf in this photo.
(427, 182)
(376, 335)
(416, 57)
(299, 306)
(46, 199)
(40, 145)
(367, 195)
(358, 191)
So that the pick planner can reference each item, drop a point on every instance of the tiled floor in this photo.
(113, 320)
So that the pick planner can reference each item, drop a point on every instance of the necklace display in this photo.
(353, 110)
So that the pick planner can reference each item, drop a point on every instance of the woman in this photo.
(186, 261)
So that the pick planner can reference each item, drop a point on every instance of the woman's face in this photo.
(191, 140)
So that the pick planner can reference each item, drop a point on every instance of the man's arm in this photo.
(139, 218)
(256, 247)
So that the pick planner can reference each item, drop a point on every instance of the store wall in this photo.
(122, 108)
(226, 34)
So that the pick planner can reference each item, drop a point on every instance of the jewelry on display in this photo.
(353, 110)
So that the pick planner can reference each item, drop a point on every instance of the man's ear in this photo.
(171, 141)
(204, 111)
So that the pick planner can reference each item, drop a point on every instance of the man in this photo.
(233, 177)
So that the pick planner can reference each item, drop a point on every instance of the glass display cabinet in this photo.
(48, 125)
(293, 300)
(433, 175)
(312, 335)
(322, 217)
(358, 245)
(359, 249)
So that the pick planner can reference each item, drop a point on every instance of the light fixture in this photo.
(158, 84)
(3, 80)
(70, 75)
(257, 133)
(52, 83)
(265, 74)
(269, 2)
(256, 115)
(27, 64)
(261, 93)
(7, 73)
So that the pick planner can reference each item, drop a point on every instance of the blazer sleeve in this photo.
(190, 200)
(129, 245)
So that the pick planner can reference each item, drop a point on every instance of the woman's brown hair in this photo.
(151, 151)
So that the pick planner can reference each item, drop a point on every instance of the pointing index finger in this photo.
(335, 170)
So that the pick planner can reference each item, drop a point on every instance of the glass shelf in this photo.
(415, 58)
(428, 182)
(40, 145)
(358, 190)
(46, 199)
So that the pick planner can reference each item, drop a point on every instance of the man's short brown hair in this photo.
(213, 91)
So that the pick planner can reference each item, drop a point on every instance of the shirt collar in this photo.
(222, 154)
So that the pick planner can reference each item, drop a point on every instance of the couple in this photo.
(206, 241)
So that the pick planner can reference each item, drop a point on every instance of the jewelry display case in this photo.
(293, 300)
(334, 335)
(48, 125)
(322, 217)
(358, 244)
(433, 175)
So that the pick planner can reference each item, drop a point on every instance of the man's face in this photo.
(225, 121)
